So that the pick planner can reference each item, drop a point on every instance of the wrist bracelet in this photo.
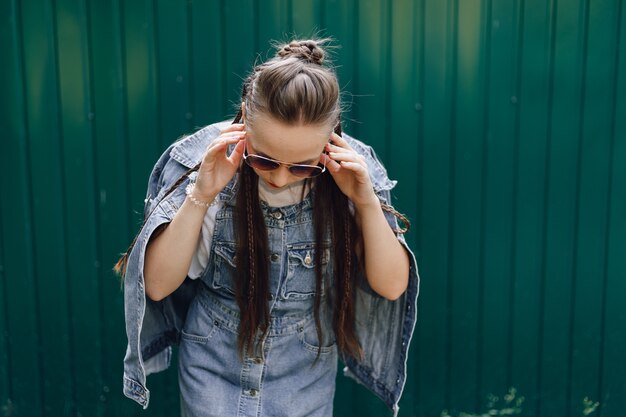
(189, 191)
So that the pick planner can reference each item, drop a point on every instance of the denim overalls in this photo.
(280, 380)
(284, 379)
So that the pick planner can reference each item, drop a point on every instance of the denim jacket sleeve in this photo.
(152, 327)
(384, 328)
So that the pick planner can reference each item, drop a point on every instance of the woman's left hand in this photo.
(349, 171)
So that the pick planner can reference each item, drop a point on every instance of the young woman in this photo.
(269, 249)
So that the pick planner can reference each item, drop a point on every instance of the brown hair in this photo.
(295, 87)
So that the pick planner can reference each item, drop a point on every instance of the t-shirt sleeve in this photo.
(200, 258)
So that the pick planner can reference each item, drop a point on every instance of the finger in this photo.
(353, 166)
(339, 141)
(331, 165)
(232, 133)
(221, 144)
(348, 157)
(227, 135)
(233, 127)
(334, 148)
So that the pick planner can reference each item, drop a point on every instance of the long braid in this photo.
(321, 211)
(346, 274)
(253, 324)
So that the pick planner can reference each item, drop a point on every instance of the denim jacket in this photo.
(384, 328)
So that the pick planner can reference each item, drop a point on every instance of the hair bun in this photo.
(307, 50)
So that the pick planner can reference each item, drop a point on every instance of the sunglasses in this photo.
(268, 164)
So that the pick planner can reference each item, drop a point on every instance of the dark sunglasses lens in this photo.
(305, 170)
(261, 163)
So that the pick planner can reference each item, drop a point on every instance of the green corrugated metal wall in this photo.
(504, 121)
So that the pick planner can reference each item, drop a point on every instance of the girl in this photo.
(269, 249)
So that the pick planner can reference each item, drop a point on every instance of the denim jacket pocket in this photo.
(300, 279)
(224, 266)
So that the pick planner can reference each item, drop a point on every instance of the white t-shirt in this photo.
(272, 196)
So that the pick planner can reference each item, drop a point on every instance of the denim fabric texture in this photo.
(202, 315)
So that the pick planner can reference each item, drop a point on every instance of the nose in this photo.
(281, 176)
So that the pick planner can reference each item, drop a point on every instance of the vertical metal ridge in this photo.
(224, 42)
(386, 58)
(290, 18)
(582, 48)
(552, 13)
(54, 42)
(488, 9)
(609, 199)
(5, 310)
(153, 12)
(516, 180)
(125, 119)
(355, 67)
(18, 30)
(417, 67)
(191, 125)
(97, 229)
(451, 73)
(256, 41)
(418, 63)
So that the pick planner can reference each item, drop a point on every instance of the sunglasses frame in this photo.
(317, 169)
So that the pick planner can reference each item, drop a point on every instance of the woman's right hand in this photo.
(217, 169)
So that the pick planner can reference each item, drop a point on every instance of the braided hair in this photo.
(295, 87)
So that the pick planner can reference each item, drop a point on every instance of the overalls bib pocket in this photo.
(300, 279)
(224, 266)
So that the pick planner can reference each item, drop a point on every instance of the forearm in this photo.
(386, 261)
(169, 255)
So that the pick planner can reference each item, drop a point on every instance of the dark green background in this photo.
(504, 122)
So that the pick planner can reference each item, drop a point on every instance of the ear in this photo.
(243, 112)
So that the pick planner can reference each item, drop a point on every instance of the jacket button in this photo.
(277, 215)
(253, 392)
(274, 257)
(258, 361)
